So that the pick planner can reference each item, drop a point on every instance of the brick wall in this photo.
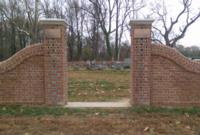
(55, 58)
(161, 76)
(141, 62)
(22, 77)
(38, 73)
(175, 79)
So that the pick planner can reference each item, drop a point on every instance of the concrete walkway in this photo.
(118, 104)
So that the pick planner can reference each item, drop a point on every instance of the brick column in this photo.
(55, 60)
(141, 61)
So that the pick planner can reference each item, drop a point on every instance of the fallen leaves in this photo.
(98, 85)
(146, 129)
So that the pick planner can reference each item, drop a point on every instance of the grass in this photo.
(59, 111)
(104, 85)
(24, 120)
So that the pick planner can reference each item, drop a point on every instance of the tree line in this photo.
(92, 33)
(192, 52)
(96, 28)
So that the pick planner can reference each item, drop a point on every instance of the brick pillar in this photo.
(55, 61)
(141, 61)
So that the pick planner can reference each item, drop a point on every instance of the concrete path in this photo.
(118, 104)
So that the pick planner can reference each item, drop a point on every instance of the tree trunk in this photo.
(117, 32)
(109, 50)
(13, 46)
(79, 47)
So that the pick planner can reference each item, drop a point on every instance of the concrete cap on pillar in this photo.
(53, 21)
(141, 21)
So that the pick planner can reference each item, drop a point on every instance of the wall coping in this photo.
(141, 21)
(53, 21)
(175, 56)
(19, 57)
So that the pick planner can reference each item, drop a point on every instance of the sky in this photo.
(192, 36)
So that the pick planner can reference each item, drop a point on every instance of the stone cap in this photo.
(141, 21)
(53, 21)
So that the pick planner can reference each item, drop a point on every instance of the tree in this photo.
(76, 19)
(94, 26)
(104, 14)
(191, 52)
(168, 33)
(124, 10)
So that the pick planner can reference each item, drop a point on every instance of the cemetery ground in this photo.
(105, 85)
(99, 85)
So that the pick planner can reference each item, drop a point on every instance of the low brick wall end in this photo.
(175, 80)
(22, 77)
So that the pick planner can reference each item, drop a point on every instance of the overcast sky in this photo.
(192, 36)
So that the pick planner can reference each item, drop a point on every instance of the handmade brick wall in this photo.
(22, 77)
(38, 73)
(161, 76)
(175, 79)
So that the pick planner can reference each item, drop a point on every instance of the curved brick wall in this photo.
(161, 76)
(37, 74)
(20, 56)
(175, 80)
(22, 77)
(177, 57)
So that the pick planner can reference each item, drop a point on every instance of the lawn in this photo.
(98, 85)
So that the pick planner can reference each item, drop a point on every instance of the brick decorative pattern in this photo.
(55, 67)
(161, 76)
(38, 73)
(141, 64)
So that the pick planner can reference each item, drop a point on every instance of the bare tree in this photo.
(46, 8)
(124, 10)
(104, 14)
(32, 11)
(13, 19)
(118, 6)
(92, 30)
(168, 34)
(137, 5)
(76, 21)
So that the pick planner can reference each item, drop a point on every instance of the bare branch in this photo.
(166, 33)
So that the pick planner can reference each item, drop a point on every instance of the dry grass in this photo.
(113, 124)
(105, 85)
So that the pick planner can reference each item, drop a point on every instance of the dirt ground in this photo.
(95, 124)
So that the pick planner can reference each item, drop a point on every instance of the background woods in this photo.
(92, 33)
(97, 29)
